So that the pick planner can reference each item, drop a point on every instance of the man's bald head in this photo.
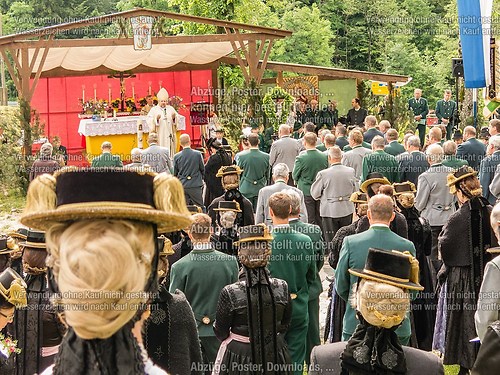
(185, 140)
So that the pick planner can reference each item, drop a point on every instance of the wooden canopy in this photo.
(27, 53)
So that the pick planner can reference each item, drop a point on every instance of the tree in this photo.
(310, 41)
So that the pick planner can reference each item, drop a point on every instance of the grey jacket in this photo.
(433, 199)
(495, 183)
(262, 211)
(488, 304)
(189, 168)
(158, 158)
(325, 359)
(354, 159)
(333, 187)
(284, 150)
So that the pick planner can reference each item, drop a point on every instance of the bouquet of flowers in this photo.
(116, 103)
(130, 104)
(8, 346)
(92, 106)
(176, 102)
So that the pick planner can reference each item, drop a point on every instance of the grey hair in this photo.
(378, 142)
(371, 120)
(106, 144)
(46, 149)
(449, 148)
(152, 138)
(495, 141)
(335, 152)
(284, 129)
(294, 201)
(136, 154)
(281, 170)
(413, 141)
(435, 153)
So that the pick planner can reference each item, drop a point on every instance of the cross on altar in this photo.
(122, 76)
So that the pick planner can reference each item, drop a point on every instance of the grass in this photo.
(11, 205)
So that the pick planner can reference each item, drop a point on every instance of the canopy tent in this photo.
(38, 53)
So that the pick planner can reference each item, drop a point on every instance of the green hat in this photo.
(297, 125)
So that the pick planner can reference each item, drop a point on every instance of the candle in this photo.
(160, 82)
(114, 112)
(95, 92)
(133, 90)
(109, 93)
(83, 93)
(149, 89)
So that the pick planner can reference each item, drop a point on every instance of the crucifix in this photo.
(122, 76)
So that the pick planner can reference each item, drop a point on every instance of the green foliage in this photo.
(276, 104)
(310, 41)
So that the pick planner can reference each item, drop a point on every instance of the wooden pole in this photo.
(2, 70)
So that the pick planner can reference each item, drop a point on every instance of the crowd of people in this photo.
(194, 264)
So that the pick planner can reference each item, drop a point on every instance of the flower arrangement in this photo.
(176, 102)
(93, 106)
(116, 103)
(8, 346)
(130, 104)
(276, 105)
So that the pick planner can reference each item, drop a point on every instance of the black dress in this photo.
(270, 309)
(424, 306)
(462, 244)
(243, 218)
(214, 187)
(170, 334)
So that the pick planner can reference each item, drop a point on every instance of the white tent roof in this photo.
(121, 58)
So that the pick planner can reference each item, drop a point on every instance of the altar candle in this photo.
(109, 93)
(114, 112)
(160, 82)
(133, 90)
(83, 93)
(95, 92)
(149, 89)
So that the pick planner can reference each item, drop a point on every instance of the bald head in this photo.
(434, 154)
(380, 209)
(185, 140)
(334, 154)
(284, 130)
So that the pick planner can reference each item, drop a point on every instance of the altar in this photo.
(122, 132)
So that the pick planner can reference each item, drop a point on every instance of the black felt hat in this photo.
(457, 135)
(20, 233)
(193, 209)
(74, 194)
(228, 206)
(228, 169)
(34, 240)
(373, 178)
(258, 232)
(404, 187)
(13, 288)
(4, 248)
(390, 267)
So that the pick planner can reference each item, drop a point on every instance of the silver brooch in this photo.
(361, 354)
(389, 359)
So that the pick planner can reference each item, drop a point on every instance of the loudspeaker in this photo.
(457, 67)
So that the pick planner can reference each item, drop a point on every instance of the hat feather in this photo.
(41, 194)
(415, 268)
(17, 295)
(169, 194)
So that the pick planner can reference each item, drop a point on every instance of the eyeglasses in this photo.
(8, 317)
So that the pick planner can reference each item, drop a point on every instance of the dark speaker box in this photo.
(457, 67)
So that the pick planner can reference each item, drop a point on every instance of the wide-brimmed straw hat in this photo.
(391, 267)
(228, 206)
(460, 174)
(373, 178)
(258, 232)
(494, 250)
(193, 209)
(34, 240)
(228, 169)
(404, 187)
(75, 194)
(13, 288)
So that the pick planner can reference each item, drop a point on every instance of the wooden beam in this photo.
(139, 12)
(11, 69)
(242, 64)
(264, 62)
(325, 71)
(24, 74)
(103, 70)
(40, 68)
(66, 43)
